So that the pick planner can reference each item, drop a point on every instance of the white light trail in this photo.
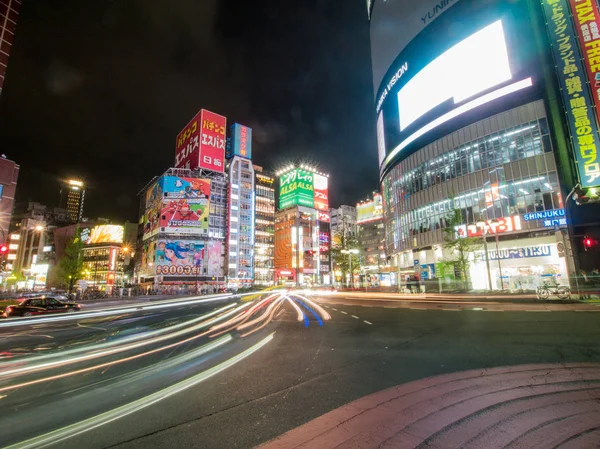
(72, 430)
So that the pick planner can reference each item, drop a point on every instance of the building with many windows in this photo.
(9, 173)
(240, 243)
(72, 195)
(487, 154)
(371, 243)
(343, 221)
(9, 13)
(264, 228)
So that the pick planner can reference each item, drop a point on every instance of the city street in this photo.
(240, 386)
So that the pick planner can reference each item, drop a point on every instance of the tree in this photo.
(458, 249)
(71, 264)
(343, 242)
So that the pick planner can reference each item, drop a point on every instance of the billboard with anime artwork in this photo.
(180, 257)
(185, 205)
(150, 219)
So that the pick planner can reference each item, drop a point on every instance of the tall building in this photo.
(9, 173)
(302, 230)
(9, 13)
(240, 240)
(371, 241)
(343, 221)
(182, 241)
(493, 153)
(182, 248)
(72, 196)
(264, 228)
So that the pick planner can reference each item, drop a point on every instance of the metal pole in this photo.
(487, 259)
(499, 264)
(350, 263)
(570, 254)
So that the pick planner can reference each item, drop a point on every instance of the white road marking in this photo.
(334, 309)
(345, 313)
(354, 316)
(368, 322)
(538, 311)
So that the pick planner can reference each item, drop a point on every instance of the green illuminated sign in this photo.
(296, 188)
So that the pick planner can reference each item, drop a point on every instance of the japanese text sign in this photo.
(582, 123)
(241, 141)
(202, 143)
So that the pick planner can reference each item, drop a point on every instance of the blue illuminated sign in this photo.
(545, 215)
(241, 141)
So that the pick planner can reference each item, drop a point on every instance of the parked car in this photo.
(40, 306)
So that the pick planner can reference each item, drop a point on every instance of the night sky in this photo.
(99, 90)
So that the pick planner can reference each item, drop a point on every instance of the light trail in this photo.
(321, 310)
(295, 306)
(72, 430)
(150, 336)
(15, 322)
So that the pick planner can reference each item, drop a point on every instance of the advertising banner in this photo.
(202, 142)
(241, 141)
(370, 210)
(571, 77)
(505, 224)
(215, 251)
(180, 257)
(296, 187)
(187, 145)
(151, 219)
(587, 20)
(185, 205)
(104, 234)
(520, 253)
(212, 141)
(321, 185)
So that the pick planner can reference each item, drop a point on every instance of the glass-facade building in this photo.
(480, 151)
(264, 228)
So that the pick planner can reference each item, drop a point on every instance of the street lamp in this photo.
(349, 252)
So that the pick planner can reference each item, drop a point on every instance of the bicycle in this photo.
(545, 290)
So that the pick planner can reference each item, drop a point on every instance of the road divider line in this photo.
(367, 322)
(72, 430)
(345, 313)
(354, 316)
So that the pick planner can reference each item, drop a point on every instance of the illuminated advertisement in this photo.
(241, 141)
(445, 77)
(371, 210)
(321, 186)
(180, 257)
(296, 188)
(202, 142)
(185, 205)
(587, 19)
(505, 224)
(323, 216)
(151, 217)
(104, 234)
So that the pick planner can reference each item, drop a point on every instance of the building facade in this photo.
(72, 195)
(375, 270)
(343, 221)
(9, 174)
(241, 217)
(9, 13)
(183, 240)
(264, 241)
(487, 154)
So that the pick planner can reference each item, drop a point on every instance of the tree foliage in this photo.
(458, 249)
(344, 242)
(71, 264)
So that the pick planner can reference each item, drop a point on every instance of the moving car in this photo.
(40, 306)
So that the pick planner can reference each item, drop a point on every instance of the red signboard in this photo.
(321, 192)
(502, 225)
(212, 141)
(187, 146)
(587, 22)
(323, 216)
(202, 143)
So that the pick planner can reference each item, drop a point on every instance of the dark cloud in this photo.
(99, 90)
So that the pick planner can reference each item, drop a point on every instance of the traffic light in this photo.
(3, 249)
(586, 195)
(588, 243)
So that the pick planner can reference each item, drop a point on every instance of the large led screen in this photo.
(474, 60)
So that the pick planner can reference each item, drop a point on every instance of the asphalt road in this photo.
(309, 366)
